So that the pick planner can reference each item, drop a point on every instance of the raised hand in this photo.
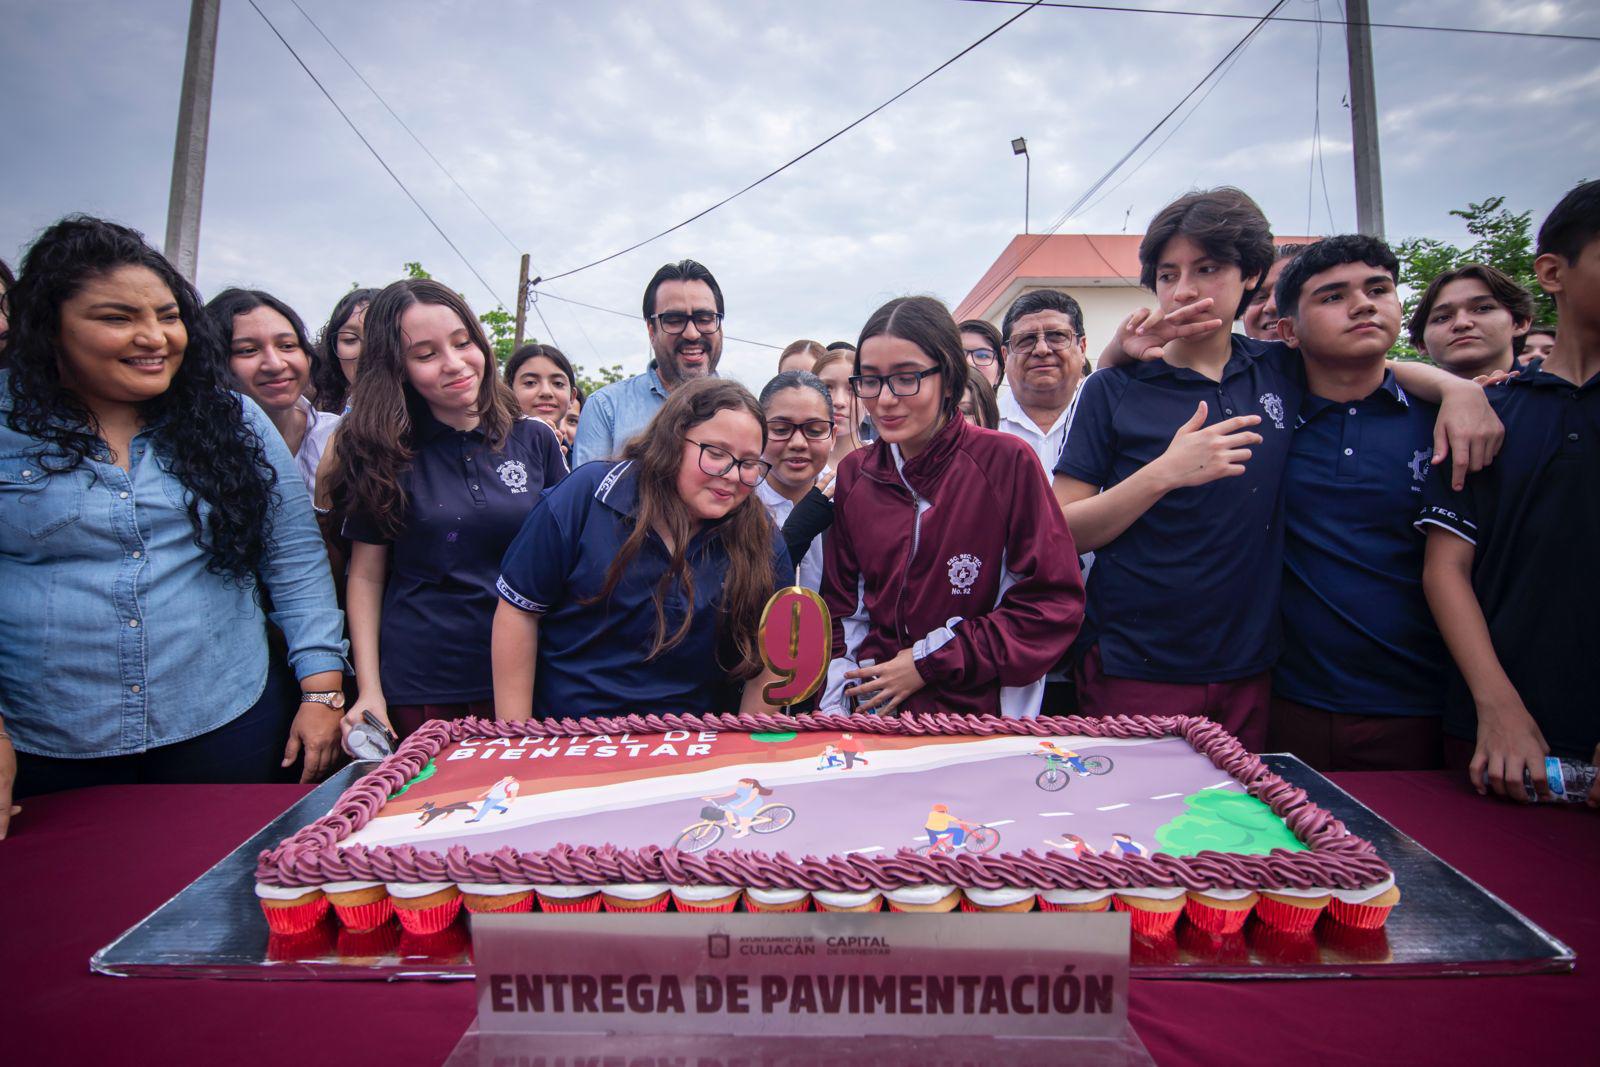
(1199, 453)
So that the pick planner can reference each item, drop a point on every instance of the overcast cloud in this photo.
(582, 128)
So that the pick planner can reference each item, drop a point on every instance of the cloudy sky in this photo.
(584, 127)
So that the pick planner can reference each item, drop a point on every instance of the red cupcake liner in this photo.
(1292, 918)
(1213, 948)
(1215, 920)
(1360, 916)
(364, 916)
(704, 908)
(569, 904)
(635, 905)
(1153, 950)
(1356, 943)
(1099, 905)
(429, 920)
(1283, 947)
(446, 946)
(1151, 924)
(297, 919)
(525, 904)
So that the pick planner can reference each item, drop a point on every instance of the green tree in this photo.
(1224, 821)
(1500, 237)
(602, 377)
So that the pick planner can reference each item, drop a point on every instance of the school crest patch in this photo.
(1419, 467)
(1272, 404)
(513, 475)
(963, 573)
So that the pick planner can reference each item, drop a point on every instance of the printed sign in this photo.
(817, 974)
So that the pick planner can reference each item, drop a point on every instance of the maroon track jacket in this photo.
(960, 554)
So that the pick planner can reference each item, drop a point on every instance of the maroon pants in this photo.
(1335, 741)
(1239, 706)
(407, 719)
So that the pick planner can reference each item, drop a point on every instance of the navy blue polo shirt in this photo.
(591, 658)
(1534, 517)
(1189, 592)
(464, 504)
(1358, 637)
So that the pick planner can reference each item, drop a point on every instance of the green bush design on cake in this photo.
(1224, 821)
(422, 776)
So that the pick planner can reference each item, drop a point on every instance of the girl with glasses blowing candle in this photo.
(948, 567)
(639, 583)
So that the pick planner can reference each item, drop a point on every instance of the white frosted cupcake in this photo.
(1006, 898)
(495, 896)
(425, 907)
(706, 898)
(635, 896)
(291, 909)
(756, 899)
(924, 898)
(866, 900)
(359, 905)
(557, 897)
(1074, 899)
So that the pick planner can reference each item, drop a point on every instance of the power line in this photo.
(1029, 5)
(1293, 18)
(387, 169)
(1061, 220)
(1319, 155)
(459, 187)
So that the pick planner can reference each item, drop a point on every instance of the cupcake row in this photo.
(429, 907)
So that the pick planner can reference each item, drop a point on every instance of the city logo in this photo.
(717, 946)
(1272, 404)
(963, 572)
(514, 475)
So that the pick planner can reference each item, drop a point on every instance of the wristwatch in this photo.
(334, 698)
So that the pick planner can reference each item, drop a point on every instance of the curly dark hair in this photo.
(197, 426)
(327, 377)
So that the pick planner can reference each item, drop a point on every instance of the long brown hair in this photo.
(746, 531)
(375, 440)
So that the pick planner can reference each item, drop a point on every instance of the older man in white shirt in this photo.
(1046, 361)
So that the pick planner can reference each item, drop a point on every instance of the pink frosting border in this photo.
(1336, 859)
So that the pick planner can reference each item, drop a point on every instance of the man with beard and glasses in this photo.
(683, 318)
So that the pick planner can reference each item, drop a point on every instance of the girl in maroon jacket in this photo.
(951, 577)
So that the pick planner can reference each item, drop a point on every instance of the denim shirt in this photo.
(114, 638)
(613, 416)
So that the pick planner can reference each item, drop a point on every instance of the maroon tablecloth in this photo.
(82, 867)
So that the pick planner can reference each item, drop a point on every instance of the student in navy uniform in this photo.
(1173, 471)
(638, 585)
(1360, 684)
(439, 469)
(1472, 321)
(1512, 561)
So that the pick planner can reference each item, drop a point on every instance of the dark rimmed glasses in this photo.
(717, 462)
(815, 430)
(902, 383)
(981, 357)
(678, 321)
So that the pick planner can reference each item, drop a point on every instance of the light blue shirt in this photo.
(615, 415)
(114, 638)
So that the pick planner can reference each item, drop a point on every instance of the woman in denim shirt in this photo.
(144, 510)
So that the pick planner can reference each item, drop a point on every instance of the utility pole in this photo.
(522, 304)
(189, 154)
(1364, 119)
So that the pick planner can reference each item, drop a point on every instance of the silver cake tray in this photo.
(1447, 924)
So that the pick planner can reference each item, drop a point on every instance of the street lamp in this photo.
(1019, 147)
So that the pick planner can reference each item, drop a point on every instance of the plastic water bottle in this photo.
(1570, 780)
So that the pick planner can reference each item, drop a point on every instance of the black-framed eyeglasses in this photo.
(1058, 340)
(676, 321)
(980, 357)
(815, 430)
(902, 383)
(717, 462)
